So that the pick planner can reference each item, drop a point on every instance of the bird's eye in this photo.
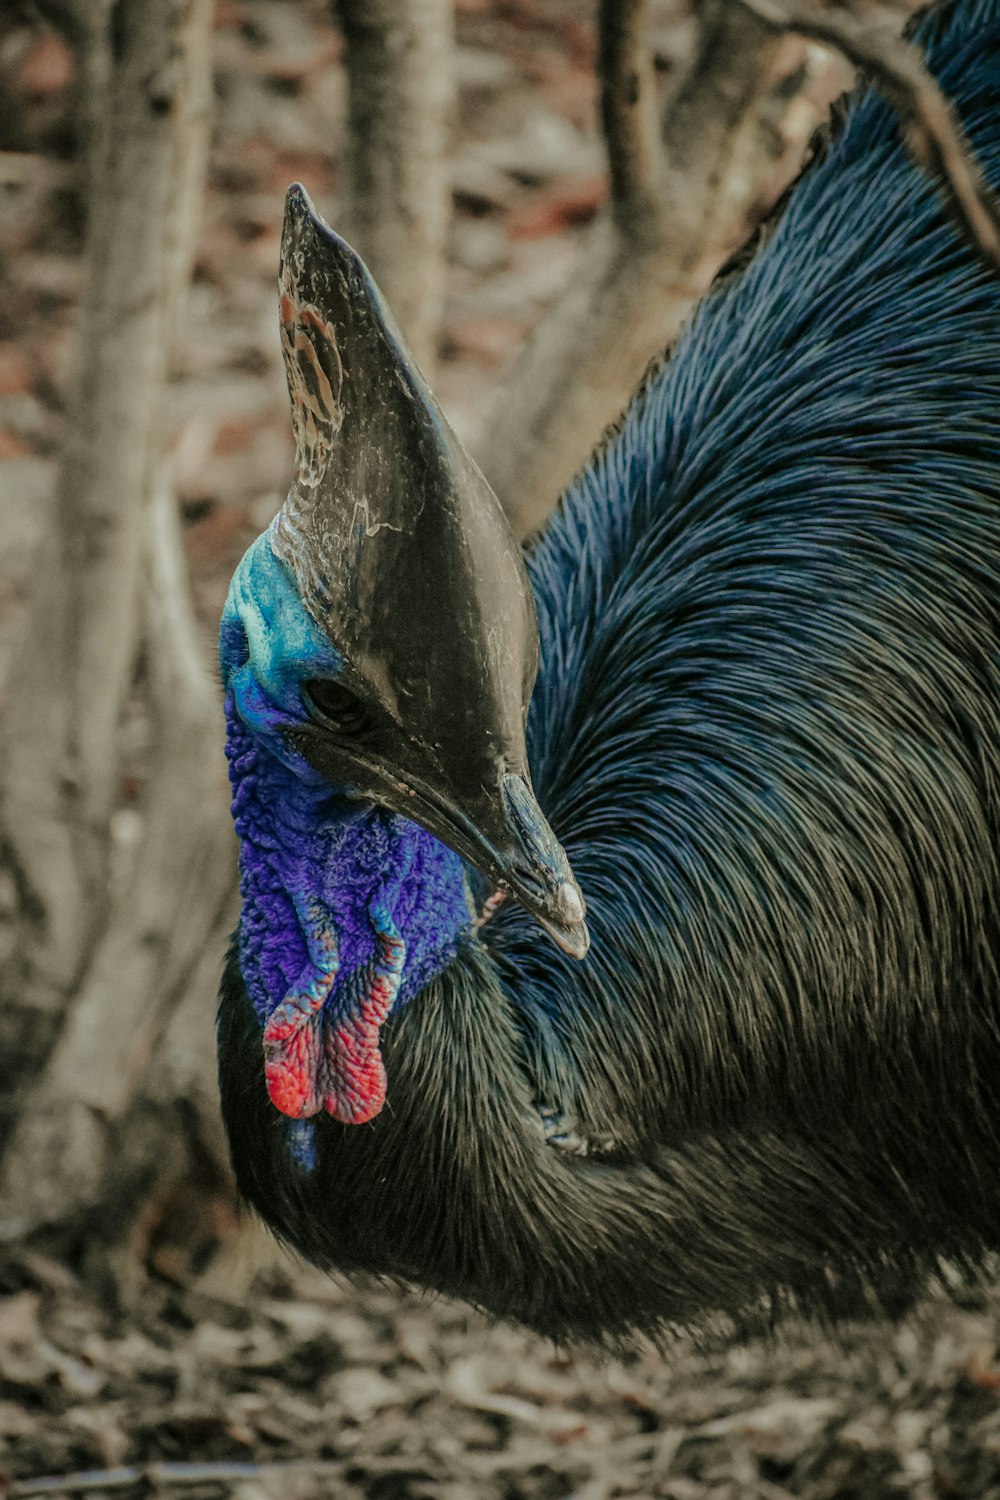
(336, 707)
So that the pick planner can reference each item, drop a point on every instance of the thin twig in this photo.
(127, 1476)
(932, 130)
(628, 107)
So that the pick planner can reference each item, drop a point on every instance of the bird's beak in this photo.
(402, 556)
(505, 835)
(535, 870)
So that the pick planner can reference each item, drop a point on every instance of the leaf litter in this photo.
(393, 1395)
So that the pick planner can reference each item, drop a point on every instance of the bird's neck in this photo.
(348, 911)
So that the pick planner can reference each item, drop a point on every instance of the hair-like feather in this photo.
(766, 730)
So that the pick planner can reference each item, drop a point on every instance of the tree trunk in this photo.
(109, 930)
(396, 208)
(680, 190)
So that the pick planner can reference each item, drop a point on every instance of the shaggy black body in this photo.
(767, 732)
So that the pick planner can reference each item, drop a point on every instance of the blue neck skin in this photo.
(348, 910)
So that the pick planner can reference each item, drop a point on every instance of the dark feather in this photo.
(766, 730)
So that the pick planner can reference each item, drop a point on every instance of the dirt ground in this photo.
(275, 1382)
(302, 1388)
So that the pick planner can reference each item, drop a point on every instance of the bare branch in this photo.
(712, 148)
(180, 896)
(398, 203)
(932, 131)
(640, 270)
(170, 1474)
(63, 763)
(85, 24)
(61, 727)
(175, 656)
(628, 112)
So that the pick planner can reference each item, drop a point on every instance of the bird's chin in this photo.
(560, 912)
(567, 928)
(520, 857)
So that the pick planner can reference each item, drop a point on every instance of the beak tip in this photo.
(569, 904)
(572, 937)
(582, 946)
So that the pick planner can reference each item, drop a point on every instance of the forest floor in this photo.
(277, 1382)
(301, 1389)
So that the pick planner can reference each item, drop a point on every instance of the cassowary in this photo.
(764, 742)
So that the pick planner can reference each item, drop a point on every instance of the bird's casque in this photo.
(380, 638)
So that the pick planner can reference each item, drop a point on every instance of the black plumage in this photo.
(766, 731)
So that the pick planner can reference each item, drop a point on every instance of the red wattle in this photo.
(315, 1059)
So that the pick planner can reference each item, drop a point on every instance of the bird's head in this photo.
(382, 633)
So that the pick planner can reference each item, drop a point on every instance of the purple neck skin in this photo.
(348, 911)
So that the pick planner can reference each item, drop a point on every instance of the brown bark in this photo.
(396, 206)
(680, 188)
(628, 116)
(108, 937)
(932, 130)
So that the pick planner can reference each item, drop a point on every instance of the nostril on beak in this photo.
(528, 878)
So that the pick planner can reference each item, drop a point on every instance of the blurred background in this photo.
(144, 442)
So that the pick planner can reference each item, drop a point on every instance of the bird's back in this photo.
(767, 727)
